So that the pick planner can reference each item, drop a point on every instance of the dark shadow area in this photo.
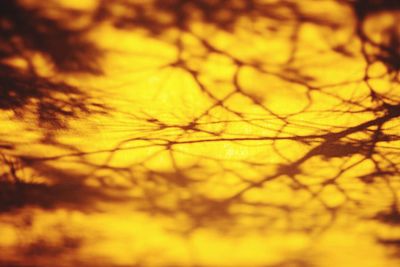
(28, 33)
(387, 50)
(65, 189)
(26, 30)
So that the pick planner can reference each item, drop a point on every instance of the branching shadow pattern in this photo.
(287, 120)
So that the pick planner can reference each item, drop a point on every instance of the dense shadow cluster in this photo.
(31, 40)
(29, 36)
(386, 47)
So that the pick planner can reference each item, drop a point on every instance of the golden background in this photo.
(200, 133)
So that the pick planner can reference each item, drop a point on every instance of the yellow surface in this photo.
(175, 205)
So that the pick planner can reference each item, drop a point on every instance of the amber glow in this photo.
(200, 133)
